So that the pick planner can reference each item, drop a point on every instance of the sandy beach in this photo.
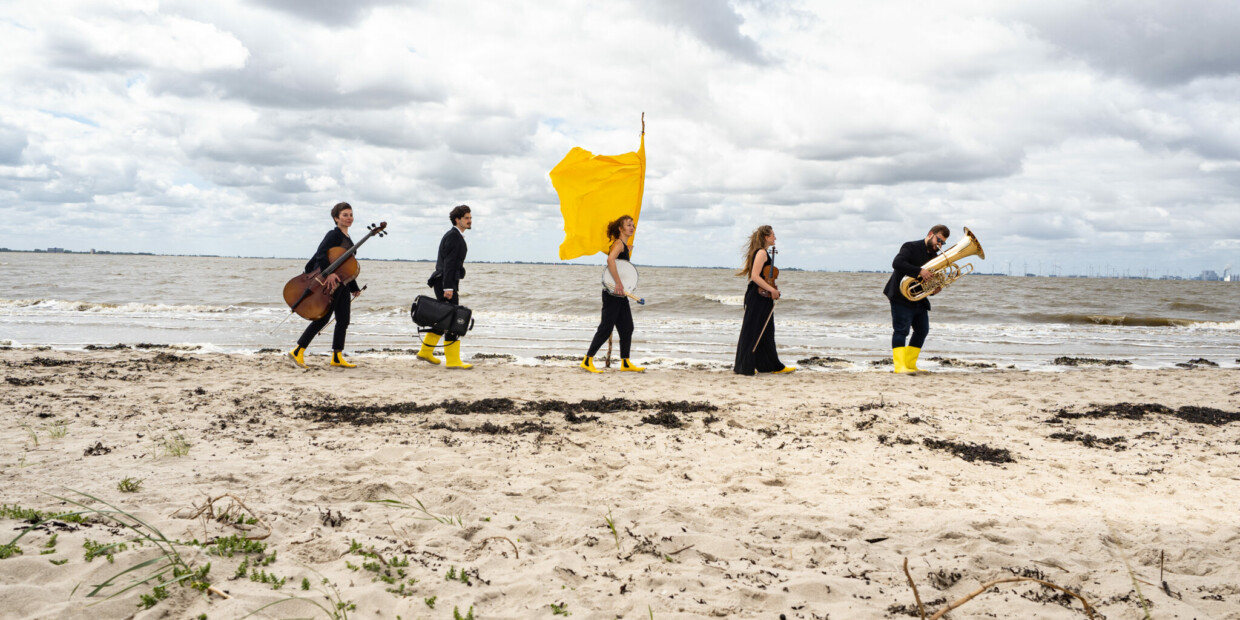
(684, 494)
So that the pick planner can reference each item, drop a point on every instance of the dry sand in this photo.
(799, 495)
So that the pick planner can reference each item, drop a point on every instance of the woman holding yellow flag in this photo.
(616, 312)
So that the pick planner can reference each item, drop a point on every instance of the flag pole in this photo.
(610, 337)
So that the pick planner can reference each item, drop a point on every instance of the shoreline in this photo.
(814, 363)
(730, 496)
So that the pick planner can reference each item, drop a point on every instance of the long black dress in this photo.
(765, 358)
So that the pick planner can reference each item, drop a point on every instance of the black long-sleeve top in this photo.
(450, 263)
(335, 238)
(908, 263)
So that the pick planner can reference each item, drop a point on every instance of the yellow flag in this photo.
(594, 191)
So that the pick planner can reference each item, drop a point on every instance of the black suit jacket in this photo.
(908, 263)
(450, 264)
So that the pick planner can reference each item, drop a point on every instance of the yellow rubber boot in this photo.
(910, 359)
(452, 351)
(338, 360)
(897, 356)
(785, 369)
(587, 363)
(296, 356)
(625, 364)
(427, 354)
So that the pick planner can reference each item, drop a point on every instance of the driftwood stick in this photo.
(207, 511)
(514, 545)
(217, 592)
(1089, 610)
(916, 596)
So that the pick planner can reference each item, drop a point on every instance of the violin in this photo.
(769, 272)
(308, 295)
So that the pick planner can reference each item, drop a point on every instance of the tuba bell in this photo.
(944, 267)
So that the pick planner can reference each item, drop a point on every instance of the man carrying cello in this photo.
(755, 350)
(342, 296)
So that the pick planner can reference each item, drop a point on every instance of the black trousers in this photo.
(342, 301)
(762, 358)
(456, 301)
(902, 318)
(616, 315)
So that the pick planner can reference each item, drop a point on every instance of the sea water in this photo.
(691, 316)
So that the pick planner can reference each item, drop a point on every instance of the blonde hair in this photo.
(757, 241)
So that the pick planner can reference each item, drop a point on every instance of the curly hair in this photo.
(613, 229)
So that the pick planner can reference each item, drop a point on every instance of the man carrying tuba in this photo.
(905, 313)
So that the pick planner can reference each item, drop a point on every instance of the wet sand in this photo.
(730, 496)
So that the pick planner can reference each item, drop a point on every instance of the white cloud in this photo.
(1064, 131)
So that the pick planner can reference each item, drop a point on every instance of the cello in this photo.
(307, 294)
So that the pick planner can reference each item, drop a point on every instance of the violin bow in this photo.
(770, 252)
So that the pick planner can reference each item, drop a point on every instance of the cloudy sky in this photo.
(1068, 135)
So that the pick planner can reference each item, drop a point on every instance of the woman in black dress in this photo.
(616, 311)
(342, 296)
(760, 299)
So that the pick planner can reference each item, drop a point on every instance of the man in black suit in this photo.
(449, 270)
(916, 314)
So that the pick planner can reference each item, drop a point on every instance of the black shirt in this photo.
(908, 263)
(335, 238)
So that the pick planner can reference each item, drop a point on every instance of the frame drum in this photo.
(628, 277)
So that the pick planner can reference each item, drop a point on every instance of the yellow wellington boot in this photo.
(338, 360)
(452, 351)
(587, 363)
(897, 356)
(910, 359)
(785, 369)
(427, 354)
(625, 364)
(295, 356)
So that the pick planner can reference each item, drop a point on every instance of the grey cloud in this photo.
(271, 83)
(895, 157)
(880, 211)
(679, 207)
(13, 142)
(242, 147)
(1153, 41)
(1046, 227)
(71, 53)
(57, 194)
(492, 136)
(329, 12)
(454, 173)
(387, 128)
(943, 165)
(713, 22)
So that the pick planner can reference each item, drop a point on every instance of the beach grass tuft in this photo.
(58, 430)
(611, 524)
(420, 507)
(169, 562)
(172, 445)
(336, 608)
(129, 485)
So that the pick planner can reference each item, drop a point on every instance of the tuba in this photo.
(945, 269)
